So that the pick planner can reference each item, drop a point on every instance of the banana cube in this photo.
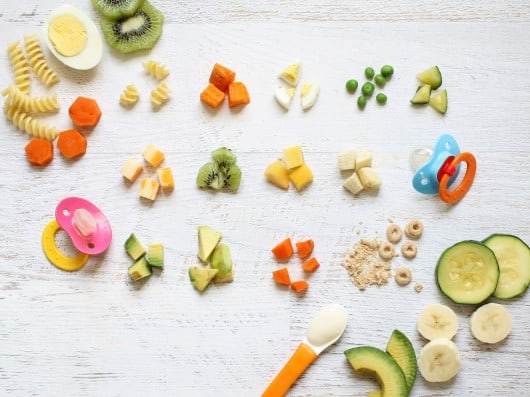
(347, 160)
(301, 177)
(370, 179)
(364, 159)
(353, 184)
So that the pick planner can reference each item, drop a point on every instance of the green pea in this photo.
(379, 80)
(351, 85)
(369, 72)
(361, 102)
(368, 89)
(380, 98)
(387, 71)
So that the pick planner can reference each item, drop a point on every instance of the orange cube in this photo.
(237, 94)
(212, 96)
(221, 77)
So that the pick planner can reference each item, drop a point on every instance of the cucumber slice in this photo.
(431, 76)
(467, 272)
(513, 256)
(423, 94)
(439, 101)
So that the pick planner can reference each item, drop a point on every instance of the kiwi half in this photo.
(140, 31)
(115, 9)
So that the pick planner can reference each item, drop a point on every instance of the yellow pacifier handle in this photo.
(53, 253)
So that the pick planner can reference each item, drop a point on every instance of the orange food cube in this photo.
(131, 170)
(149, 188)
(300, 285)
(281, 276)
(153, 156)
(212, 96)
(237, 94)
(165, 177)
(310, 265)
(305, 248)
(283, 250)
(221, 77)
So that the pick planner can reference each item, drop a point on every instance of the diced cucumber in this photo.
(134, 248)
(513, 256)
(140, 269)
(439, 101)
(431, 76)
(155, 255)
(467, 272)
(423, 94)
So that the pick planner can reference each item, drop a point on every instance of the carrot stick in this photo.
(221, 77)
(237, 94)
(305, 248)
(39, 151)
(281, 276)
(284, 250)
(71, 144)
(310, 265)
(84, 112)
(212, 96)
(300, 285)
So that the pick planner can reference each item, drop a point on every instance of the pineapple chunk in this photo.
(301, 177)
(149, 188)
(293, 157)
(369, 178)
(153, 156)
(131, 170)
(165, 177)
(290, 74)
(364, 159)
(277, 174)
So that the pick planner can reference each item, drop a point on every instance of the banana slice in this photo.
(284, 96)
(353, 184)
(347, 160)
(437, 321)
(309, 95)
(291, 74)
(369, 178)
(439, 360)
(491, 323)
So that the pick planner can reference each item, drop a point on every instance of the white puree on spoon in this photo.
(327, 325)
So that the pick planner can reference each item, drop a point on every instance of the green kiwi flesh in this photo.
(224, 158)
(209, 177)
(232, 178)
(114, 9)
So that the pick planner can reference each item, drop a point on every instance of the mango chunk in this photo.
(165, 178)
(277, 174)
(149, 188)
(293, 157)
(153, 156)
(131, 170)
(301, 177)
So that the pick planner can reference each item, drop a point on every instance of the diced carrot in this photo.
(300, 285)
(84, 112)
(221, 77)
(39, 151)
(305, 248)
(281, 276)
(212, 96)
(284, 250)
(310, 265)
(71, 144)
(237, 94)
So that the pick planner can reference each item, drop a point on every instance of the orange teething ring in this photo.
(457, 194)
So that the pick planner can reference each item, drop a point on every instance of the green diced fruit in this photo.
(387, 71)
(381, 98)
(423, 94)
(379, 80)
(369, 72)
(401, 349)
(431, 76)
(361, 102)
(368, 89)
(140, 269)
(155, 255)
(351, 86)
(134, 248)
(439, 101)
(222, 261)
(201, 277)
(224, 158)
(208, 239)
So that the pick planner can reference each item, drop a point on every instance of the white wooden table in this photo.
(95, 333)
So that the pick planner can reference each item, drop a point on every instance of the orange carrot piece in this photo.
(237, 94)
(284, 250)
(212, 96)
(39, 151)
(305, 248)
(71, 144)
(221, 77)
(281, 276)
(300, 285)
(310, 265)
(84, 112)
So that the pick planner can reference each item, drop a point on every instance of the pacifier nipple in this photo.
(84, 222)
(419, 158)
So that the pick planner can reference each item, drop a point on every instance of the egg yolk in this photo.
(67, 34)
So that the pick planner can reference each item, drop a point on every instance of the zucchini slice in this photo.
(423, 94)
(439, 101)
(431, 76)
(513, 256)
(467, 272)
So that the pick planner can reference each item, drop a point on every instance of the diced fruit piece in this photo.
(201, 277)
(221, 77)
(431, 76)
(309, 95)
(347, 160)
(131, 170)
(140, 269)
(438, 101)
(283, 250)
(301, 177)
(304, 248)
(371, 361)
(134, 247)
(149, 188)
(221, 260)
(84, 112)
(237, 94)
(467, 272)
(353, 184)
(513, 257)
(153, 156)
(165, 178)
(437, 321)
(423, 94)
(439, 360)
(208, 240)
(293, 157)
(299, 286)
(401, 349)
(281, 276)
(369, 178)
(212, 96)
(155, 255)
(491, 323)
(277, 174)
(311, 265)
(363, 159)
(291, 74)
(284, 96)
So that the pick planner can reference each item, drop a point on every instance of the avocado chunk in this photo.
(401, 349)
(208, 240)
(221, 260)
(371, 361)
(201, 277)
(140, 269)
(155, 255)
(134, 248)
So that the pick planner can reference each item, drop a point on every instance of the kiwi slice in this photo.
(224, 158)
(114, 9)
(140, 31)
(209, 176)
(231, 178)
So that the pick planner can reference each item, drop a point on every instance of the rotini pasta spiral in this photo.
(156, 69)
(28, 124)
(160, 95)
(37, 61)
(26, 103)
(130, 95)
(20, 67)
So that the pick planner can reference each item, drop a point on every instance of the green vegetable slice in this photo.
(431, 76)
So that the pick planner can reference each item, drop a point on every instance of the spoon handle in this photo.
(299, 361)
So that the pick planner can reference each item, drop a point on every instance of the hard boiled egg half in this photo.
(73, 38)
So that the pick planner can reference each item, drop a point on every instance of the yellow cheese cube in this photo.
(153, 156)
(301, 177)
(149, 188)
(165, 177)
(293, 157)
(131, 170)
(277, 174)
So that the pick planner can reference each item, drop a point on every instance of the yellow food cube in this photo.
(165, 177)
(149, 188)
(301, 177)
(293, 157)
(277, 174)
(131, 170)
(153, 156)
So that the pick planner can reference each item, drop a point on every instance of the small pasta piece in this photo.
(130, 95)
(37, 61)
(160, 95)
(27, 103)
(156, 69)
(28, 124)
(20, 67)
